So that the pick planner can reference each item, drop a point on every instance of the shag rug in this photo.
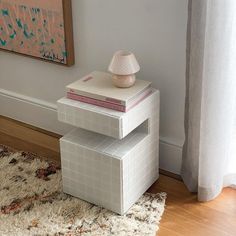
(32, 203)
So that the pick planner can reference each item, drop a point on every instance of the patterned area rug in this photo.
(32, 203)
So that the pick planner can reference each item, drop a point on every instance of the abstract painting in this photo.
(38, 28)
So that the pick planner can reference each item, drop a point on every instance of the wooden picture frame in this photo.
(38, 29)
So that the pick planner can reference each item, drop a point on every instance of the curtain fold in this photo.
(209, 156)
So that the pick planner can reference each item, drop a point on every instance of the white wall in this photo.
(155, 30)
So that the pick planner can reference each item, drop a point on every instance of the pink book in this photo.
(108, 104)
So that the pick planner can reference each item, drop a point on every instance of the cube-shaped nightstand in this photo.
(112, 158)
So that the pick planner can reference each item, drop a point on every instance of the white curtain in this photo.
(209, 159)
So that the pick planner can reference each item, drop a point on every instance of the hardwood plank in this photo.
(187, 226)
(184, 215)
(49, 133)
(23, 145)
(17, 130)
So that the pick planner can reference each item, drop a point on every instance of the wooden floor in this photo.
(183, 214)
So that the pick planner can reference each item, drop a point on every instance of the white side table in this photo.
(112, 158)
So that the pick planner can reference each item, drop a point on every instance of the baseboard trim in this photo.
(170, 174)
(32, 111)
(170, 157)
(43, 115)
(27, 99)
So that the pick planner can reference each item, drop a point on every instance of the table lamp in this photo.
(123, 66)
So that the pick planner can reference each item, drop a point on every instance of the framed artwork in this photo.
(40, 29)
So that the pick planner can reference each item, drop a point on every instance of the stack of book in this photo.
(97, 89)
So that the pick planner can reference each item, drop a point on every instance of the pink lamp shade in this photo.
(123, 63)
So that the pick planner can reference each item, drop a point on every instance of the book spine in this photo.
(95, 96)
(96, 102)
